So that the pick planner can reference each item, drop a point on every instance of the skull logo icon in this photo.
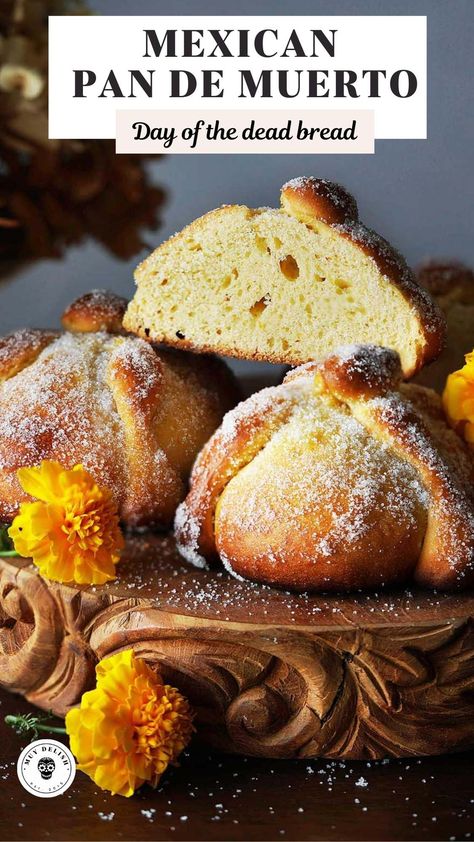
(46, 767)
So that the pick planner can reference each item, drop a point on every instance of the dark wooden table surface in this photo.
(217, 797)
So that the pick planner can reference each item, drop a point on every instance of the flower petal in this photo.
(130, 727)
(72, 532)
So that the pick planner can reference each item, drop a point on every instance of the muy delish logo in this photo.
(46, 768)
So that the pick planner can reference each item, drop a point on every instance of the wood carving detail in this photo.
(30, 630)
(340, 690)
(43, 654)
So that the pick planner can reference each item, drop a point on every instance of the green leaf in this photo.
(6, 544)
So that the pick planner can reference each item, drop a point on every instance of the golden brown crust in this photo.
(406, 422)
(133, 414)
(447, 555)
(205, 370)
(363, 371)
(452, 447)
(209, 350)
(309, 198)
(96, 310)
(21, 348)
(245, 431)
(154, 488)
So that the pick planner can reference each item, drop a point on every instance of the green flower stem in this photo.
(9, 554)
(24, 724)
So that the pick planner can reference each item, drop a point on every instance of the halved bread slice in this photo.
(286, 285)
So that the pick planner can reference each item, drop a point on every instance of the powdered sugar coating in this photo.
(254, 407)
(330, 484)
(362, 370)
(153, 570)
(330, 190)
(365, 357)
(186, 524)
(451, 502)
(347, 472)
(96, 310)
(61, 405)
(18, 342)
(137, 356)
(20, 347)
(101, 299)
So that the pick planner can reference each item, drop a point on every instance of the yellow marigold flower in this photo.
(130, 727)
(458, 399)
(72, 533)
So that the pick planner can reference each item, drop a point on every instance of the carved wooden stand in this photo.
(268, 674)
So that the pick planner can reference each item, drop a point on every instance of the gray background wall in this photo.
(419, 194)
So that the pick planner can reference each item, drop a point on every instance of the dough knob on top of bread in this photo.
(451, 284)
(341, 478)
(133, 414)
(94, 311)
(286, 285)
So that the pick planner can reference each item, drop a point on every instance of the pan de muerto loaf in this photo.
(452, 286)
(287, 285)
(340, 478)
(134, 415)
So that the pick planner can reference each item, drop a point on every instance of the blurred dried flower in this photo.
(55, 192)
(27, 82)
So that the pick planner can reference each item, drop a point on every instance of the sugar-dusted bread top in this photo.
(451, 284)
(286, 285)
(340, 478)
(96, 310)
(134, 415)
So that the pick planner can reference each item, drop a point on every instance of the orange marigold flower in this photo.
(130, 727)
(72, 533)
(458, 399)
